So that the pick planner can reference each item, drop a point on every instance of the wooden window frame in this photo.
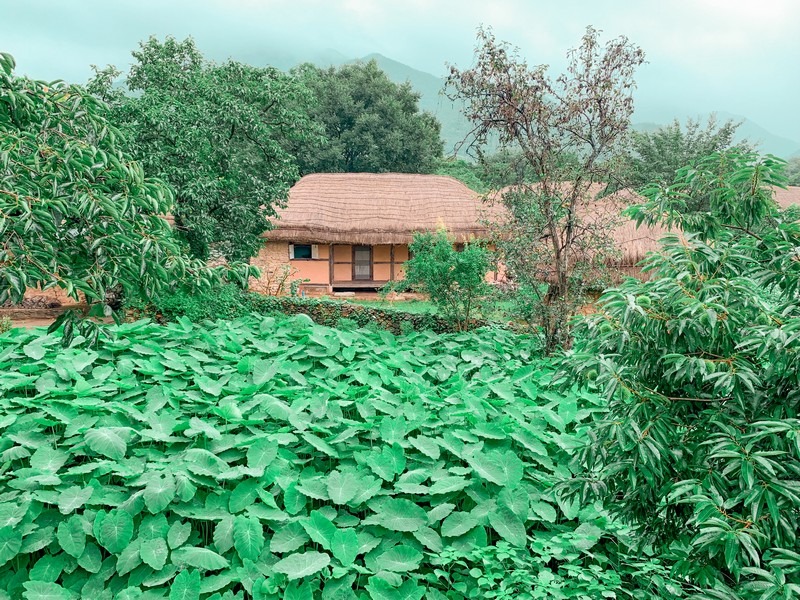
(371, 264)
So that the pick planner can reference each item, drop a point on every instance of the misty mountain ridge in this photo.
(455, 127)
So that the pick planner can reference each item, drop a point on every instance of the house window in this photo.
(303, 251)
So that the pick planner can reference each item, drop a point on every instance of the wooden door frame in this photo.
(371, 263)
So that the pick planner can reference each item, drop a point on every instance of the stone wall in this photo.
(276, 273)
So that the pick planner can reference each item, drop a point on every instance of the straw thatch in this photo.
(377, 208)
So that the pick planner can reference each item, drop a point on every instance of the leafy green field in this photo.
(273, 458)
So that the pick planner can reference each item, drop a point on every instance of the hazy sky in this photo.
(736, 56)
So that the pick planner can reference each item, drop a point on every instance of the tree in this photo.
(76, 211)
(467, 173)
(565, 130)
(218, 134)
(370, 123)
(655, 156)
(455, 280)
(699, 447)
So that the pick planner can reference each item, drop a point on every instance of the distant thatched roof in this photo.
(377, 208)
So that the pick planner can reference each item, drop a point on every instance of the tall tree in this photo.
(219, 134)
(371, 124)
(793, 170)
(565, 129)
(76, 211)
(656, 156)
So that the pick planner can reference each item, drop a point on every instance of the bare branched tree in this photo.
(568, 130)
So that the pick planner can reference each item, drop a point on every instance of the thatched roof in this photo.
(377, 208)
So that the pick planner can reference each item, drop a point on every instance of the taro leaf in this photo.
(92, 559)
(261, 454)
(342, 487)
(48, 568)
(209, 386)
(203, 462)
(289, 538)
(502, 468)
(568, 408)
(569, 506)
(429, 538)
(345, 546)
(302, 564)
(458, 523)
(10, 544)
(427, 446)
(73, 498)
(42, 590)
(48, 459)
(178, 534)
(298, 591)
(243, 495)
(399, 514)
(116, 530)
(446, 485)
(509, 526)
(185, 586)
(159, 493)
(293, 500)
(223, 535)
(515, 499)
(35, 349)
(107, 442)
(200, 558)
(380, 589)
(545, 511)
(320, 529)
(129, 558)
(393, 430)
(321, 445)
(71, 536)
(585, 536)
(339, 589)
(399, 559)
(154, 553)
(248, 537)
(440, 512)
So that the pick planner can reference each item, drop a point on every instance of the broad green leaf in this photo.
(509, 526)
(380, 589)
(298, 591)
(399, 559)
(319, 528)
(154, 553)
(398, 514)
(429, 538)
(545, 511)
(261, 454)
(243, 495)
(178, 534)
(458, 523)
(502, 468)
(200, 558)
(159, 492)
(344, 546)
(302, 564)
(48, 459)
(71, 536)
(342, 487)
(73, 498)
(40, 590)
(107, 442)
(185, 586)
(289, 538)
(223, 535)
(248, 537)
(10, 544)
(116, 531)
(339, 589)
(91, 560)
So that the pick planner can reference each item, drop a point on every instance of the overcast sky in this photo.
(736, 56)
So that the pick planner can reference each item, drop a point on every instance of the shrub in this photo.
(455, 281)
(5, 324)
(700, 446)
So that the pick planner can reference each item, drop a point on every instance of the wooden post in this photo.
(391, 262)
(330, 268)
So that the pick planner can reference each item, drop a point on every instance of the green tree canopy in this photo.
(218, 133)
(76, 211)
(371, 124)
(655, 156)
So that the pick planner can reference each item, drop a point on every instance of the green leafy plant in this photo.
(700, 447)
(76, 212)
(5, 324)
(276, 458)
(454, 280)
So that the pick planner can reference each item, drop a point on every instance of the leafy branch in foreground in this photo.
(75, 211)
(700, 446)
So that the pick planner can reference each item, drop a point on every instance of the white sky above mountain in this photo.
(736, 56)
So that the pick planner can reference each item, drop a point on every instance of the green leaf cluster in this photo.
(280, 459)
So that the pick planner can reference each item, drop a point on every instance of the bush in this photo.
(5, 324)
(700, 446)
(455, 281)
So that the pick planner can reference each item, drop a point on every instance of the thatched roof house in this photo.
(342, 231)
(377, 208)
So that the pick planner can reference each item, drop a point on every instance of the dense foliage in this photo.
(219, 134)
(700, 447)
(560, 132)
(370, 123)
(277, 458)
(228, 302)
(453, 278)
(75, 210)
(655, 156)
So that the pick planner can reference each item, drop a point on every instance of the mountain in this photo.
(455, 126)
